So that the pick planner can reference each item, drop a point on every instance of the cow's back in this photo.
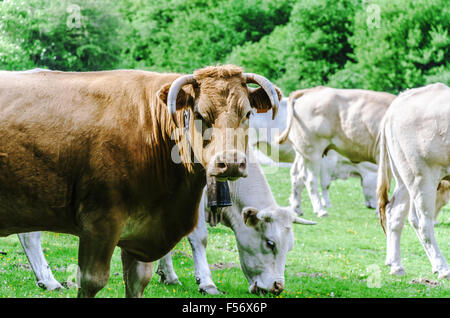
(348, 118)
(420, 120)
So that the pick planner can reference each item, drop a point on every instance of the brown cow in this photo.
(91, 154)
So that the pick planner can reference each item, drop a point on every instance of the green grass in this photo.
(330, 259)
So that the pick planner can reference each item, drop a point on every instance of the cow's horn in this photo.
(174, 90)
(299, 220)
(268, 87)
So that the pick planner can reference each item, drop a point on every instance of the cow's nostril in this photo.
(221, 165)
(243, 165)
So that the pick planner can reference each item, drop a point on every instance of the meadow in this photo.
(341, 257)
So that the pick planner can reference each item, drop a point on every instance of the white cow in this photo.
(321, 119)
(263, 233)
(415, 148)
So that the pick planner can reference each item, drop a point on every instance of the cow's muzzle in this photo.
(276, 289)
(228, 165)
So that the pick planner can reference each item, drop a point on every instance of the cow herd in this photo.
(127, 158)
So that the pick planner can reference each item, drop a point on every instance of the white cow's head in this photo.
(263, 242)
(368, 173)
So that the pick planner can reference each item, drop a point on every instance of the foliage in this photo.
(317, 41)
(387, 45)
(181, 35)
(12, 56)
(409, 47)
(66, 35)
(266, 57)
(308, 49)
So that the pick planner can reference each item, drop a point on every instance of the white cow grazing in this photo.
(263, 233)
(324, 118)
(415, 148)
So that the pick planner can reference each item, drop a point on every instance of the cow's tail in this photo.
(290, 115)
(383, 178)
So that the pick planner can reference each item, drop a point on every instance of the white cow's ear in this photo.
(250, 216)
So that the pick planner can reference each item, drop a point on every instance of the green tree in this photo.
(182, 35)
(266, 57)
(318, 41)
(12, 57)
(306, 51)
(66, 35)
(408, 48)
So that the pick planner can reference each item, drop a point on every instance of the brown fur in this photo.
(223, 71)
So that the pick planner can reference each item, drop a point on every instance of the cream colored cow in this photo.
(415, 149)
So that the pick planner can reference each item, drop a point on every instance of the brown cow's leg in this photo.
(94, 257)
(136, 274)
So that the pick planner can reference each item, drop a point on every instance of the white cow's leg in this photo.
(295, 199)
(31, 243)
(166, 272)
(311, 173)
(136, 274)
(413, 219)
(396, 212)
(198, 241)
(325, 181)
(369, 186)
(424, 193)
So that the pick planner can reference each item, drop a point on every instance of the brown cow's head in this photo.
(221, 103)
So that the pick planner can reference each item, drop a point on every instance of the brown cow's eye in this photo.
(198, 116)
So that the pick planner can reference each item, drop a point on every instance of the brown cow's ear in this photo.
(250, 216)
(184, 97)
(259, 99)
